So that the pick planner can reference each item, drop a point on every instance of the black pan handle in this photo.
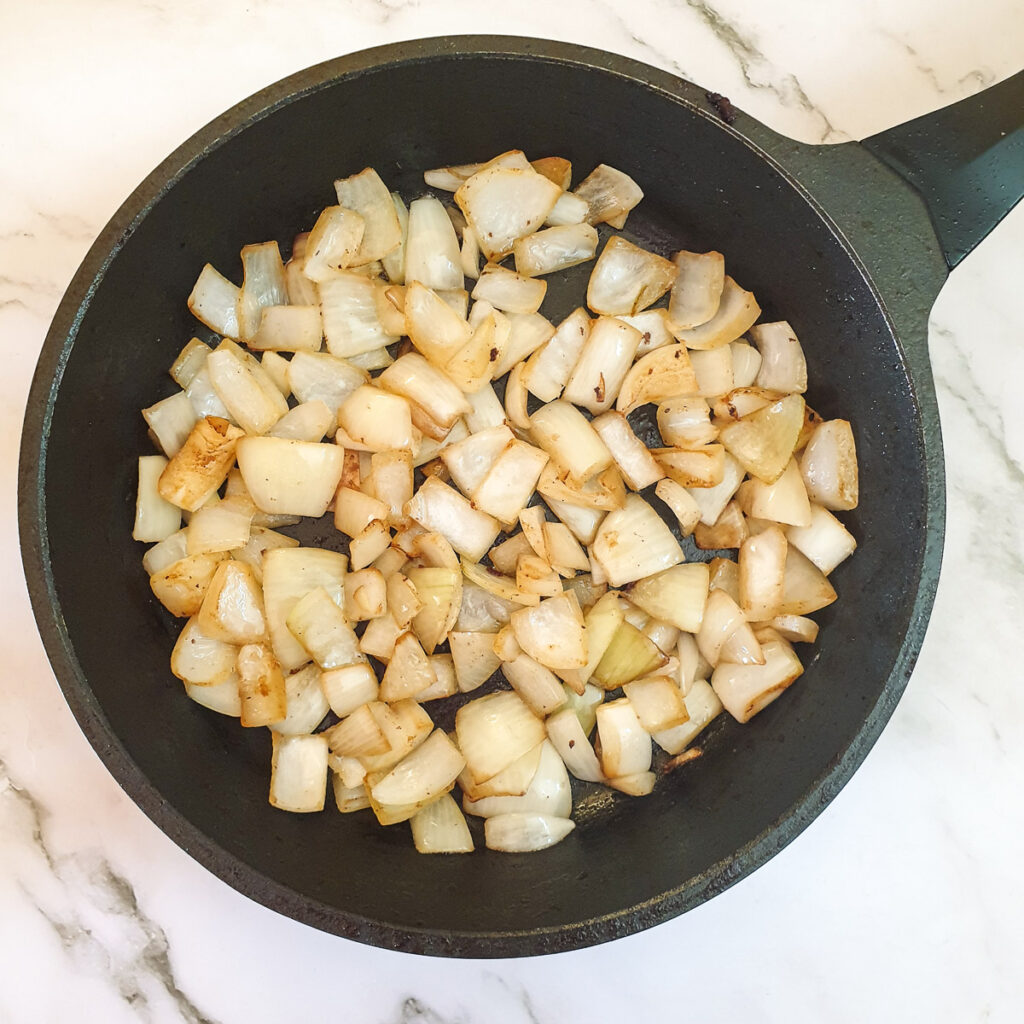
(966, 160)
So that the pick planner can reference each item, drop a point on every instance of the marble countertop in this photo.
(903, 901)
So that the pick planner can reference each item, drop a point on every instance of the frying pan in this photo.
(851, 243)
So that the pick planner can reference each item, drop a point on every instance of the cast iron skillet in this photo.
(799, 225)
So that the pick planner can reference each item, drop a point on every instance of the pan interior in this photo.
(631, 862)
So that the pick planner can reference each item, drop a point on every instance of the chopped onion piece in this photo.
(298, 774)
(634, 542)
(165, 553)
(232, 608)
(365, 595)
(570, 440)
(658, 703)
(414, 378)
(697, 291)
(288, 329)
(517, 399)
(795, 628)
(638, 467)
(290, 477)
(703, 706)
(746, 363)
(155, 518)
(317, 622)
(288, 575)
(569, 209)
(763, 441)
(333, 243)
(783, 367)
(202, 660)
(662, 374)
(737, 312)
(432, 256)
(556, 248)
(348, 687)
(435, 328)
(824, 540)
(441, 508)
(527, 332)
(263, 285)
(171, 421)
(625, 744)
(537, 685)
(223, 526)
(191, 359)
(503, 204)
(606, 358)
(563, 549)
(609, 193)
(535, 576)
(201, 465)
(379, 420)
(261, 687)
(554, 168)
(181, 586)
(582, 521)
(746, 689)
(440, 827)
(722, 617)
(471, 367)
(629, 655)
(762, 562)
(683, 422)
(470, 460)
(784, 501)
(829, 466)
(494, 731)
(508, 291)
(439, 588)
(220, 697)
(473, 657)
(525, 833)
(549, 791)
(547, 371)
(496, 584)
(394, 262)
(713, 371)
(677, 595)
(805, 587)
(532, 520)
(469, 253)
(485, 411)
(423, 774)
(627, 279)
(681, 502)
(552, 632)
(254, 406)
(368, 196)
(570, 740)
(354, 510)
(509, 484)
(214, 301)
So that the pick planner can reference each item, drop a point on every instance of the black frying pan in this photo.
(830, 238)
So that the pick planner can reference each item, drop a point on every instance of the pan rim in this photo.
(57, 347)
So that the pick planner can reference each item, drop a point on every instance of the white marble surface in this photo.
(902, 902)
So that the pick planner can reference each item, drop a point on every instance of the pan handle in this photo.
(966, 160)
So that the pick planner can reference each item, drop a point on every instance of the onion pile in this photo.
(528, 547)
